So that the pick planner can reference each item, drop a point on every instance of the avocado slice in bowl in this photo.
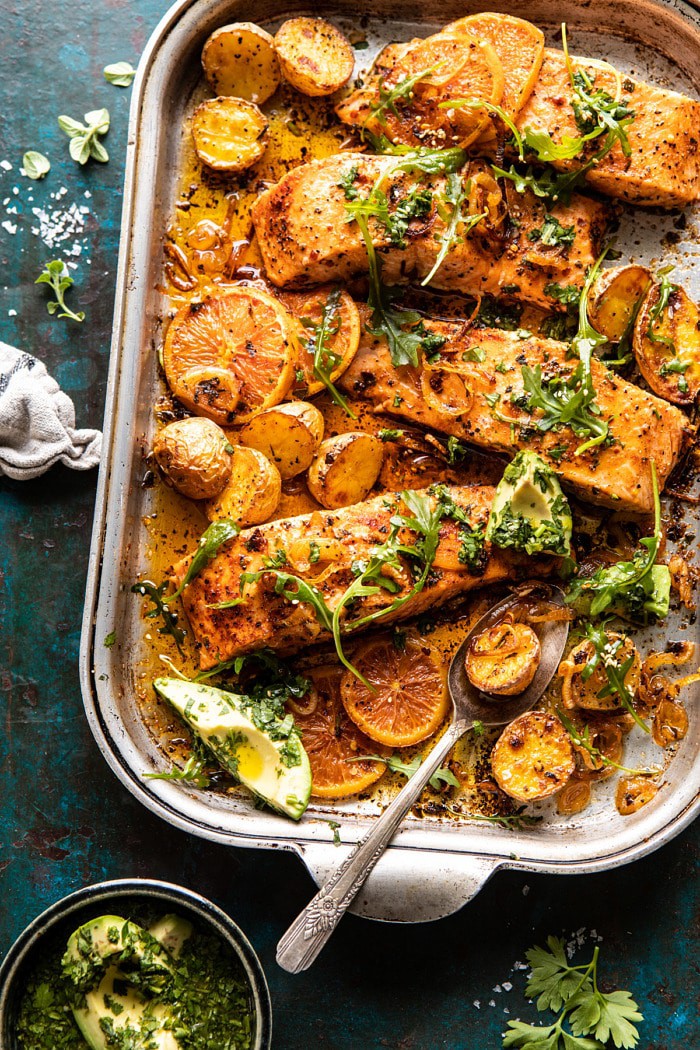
(116, 967)
(268, 758)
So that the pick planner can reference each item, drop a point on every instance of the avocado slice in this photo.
(530, 512)
(271, 761)
(115, 965)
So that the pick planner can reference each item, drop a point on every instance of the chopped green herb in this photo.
(474, 353)
(110, 639)
(191, 773)
(387, 434)
(552, 233)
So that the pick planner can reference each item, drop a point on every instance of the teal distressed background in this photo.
(64, 819)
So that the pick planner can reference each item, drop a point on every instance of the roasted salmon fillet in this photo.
(338, 539)
(475, 392)
(663, 169)
(305, 237)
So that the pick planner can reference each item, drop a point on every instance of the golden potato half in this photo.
(503, 659)
(230, 134)
(289, 435)
(240, 60)
(195, 456)
(253, 490)
(533, 758)
(345, 469)
(314, 56)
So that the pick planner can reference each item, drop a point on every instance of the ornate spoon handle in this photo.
(311, 929)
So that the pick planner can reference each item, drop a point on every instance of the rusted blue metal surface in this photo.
(65, 821)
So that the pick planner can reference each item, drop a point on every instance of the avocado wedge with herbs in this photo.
(115, 967)
(268, 757)
(530, 512)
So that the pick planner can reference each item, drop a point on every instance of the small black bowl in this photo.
(115, 897)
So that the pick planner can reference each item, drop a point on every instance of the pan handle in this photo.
(408, 885)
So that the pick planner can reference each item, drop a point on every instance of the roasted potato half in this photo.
(195, 456)
(240, 60)
(314, 56)
(583, 692)
(615, 298)
(230, 134)
(667, 343)
(345, 469)
(252, 492)
(289, 435)
(533, 758)
(503, 659)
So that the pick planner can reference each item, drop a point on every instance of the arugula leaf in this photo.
(548, 185)
(85, 140)
(666, 290)
(443, 775)
(634, 587)
(156, 593)
(218, 533)
(326, 360)
(121, 74)
(583, 740)
(605, 654)
(402, 92)
(56, 275)
(35, 165)
(450, 211)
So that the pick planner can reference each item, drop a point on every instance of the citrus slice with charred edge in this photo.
(332, 741)
(231, 355)
(519, 46)
(457, 66)
(343, 334)
(407, 700)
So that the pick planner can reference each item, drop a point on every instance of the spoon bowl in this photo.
(473, 705)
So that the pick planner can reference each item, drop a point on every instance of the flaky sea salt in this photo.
(11, 227)
(57, 226)
(6, 165)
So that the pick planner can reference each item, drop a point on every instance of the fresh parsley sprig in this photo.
(325, 360)
(457, 224)
(56, 275)
(443, 775)
(85, 138)
(594, 1017)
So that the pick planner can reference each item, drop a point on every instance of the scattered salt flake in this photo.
(15, 190)
(57, 226)
(87, 195)
(497, 988)
(507, 986)
(12, 210)
(7, 200)
(526, 890)
(11, 313)
(477, 1004)
(506, 1010)
(6, 165)
(518, 965)
(492, 1002)
(11, 227)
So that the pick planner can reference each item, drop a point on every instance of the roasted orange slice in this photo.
(407, 700)
(231, 355)
(457, 66)
(342, 334)
(519, 46)
(332, 741)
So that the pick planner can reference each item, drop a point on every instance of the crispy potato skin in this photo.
(194, 455)
(288, 434)
(533, 758)
(614, 297)
(617, 476)
(663, 169)
(252, 492)
(680, 326)
(314, 56)
(345, 469)
(267, 619)
(305, 239)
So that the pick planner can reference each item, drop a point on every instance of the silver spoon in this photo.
(311, 929)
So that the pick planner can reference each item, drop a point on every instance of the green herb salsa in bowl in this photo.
(133, 965)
